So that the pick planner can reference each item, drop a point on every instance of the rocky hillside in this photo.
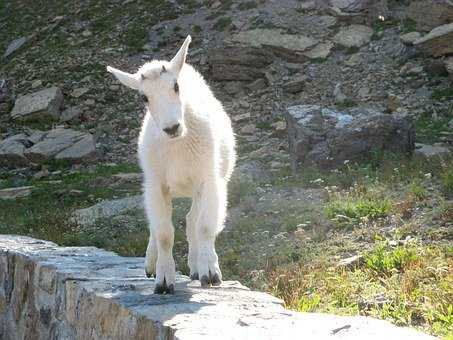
(343, 110)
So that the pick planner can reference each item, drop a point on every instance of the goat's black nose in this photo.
(172, 130)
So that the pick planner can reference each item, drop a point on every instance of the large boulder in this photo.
(292, 47)
(38, 146)
(429, 14)
(42, 106)
(63, 144)
(232, 62)
(353, 36)
(328, 138)
(438, 42)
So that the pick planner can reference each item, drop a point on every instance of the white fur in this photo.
(197, 163)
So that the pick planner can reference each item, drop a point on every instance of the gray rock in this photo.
(449, 65)
(14, 46)
(438, 42)
(14, 193)
(288, 46)
(12, 150)
(353, 36)
(338, 94)
(410, 38)
(354, 6)
(328, 138)
(64, 144)
(106, 209)
(87, 293)
(40, 106)
(296, 85)
(429, 14)
(81, 151)
(320, 51)
(71, 114)
(431, 151)
(238, 63)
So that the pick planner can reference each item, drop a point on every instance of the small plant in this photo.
(308, 303)
(247, 5)
(443, 94)
(384, 260)
(222, 23)
(350, 208)
(417, 190)
(196, 29)
(446, 177)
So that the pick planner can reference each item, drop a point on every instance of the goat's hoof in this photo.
(194, 276)
(208, 280)
(148, 275)
(162, 288)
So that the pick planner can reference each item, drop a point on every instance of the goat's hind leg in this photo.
(191, 231)
(212, 215)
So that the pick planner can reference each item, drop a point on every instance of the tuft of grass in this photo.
(196, 29)
(384, 260)
(443, 94)
(429, 130)
(446, 178)
(222, 23)
(417, 190)
(351, 207)
(247, 5)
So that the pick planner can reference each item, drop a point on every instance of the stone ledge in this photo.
(51, 292)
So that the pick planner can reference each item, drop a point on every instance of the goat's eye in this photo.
(176, 88)
(144, 98)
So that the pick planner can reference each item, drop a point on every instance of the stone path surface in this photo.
(52, 292)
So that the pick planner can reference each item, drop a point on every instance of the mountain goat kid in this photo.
(186, 148)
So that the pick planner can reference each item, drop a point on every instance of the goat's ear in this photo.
(128, 79)
(180, 58)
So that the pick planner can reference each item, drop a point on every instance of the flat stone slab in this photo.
(17, 192)
(51, 292)
(40, 106)
(289, 46)
(105, 209)
(438, 42)
(353, 36)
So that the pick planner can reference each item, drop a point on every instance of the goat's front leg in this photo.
(212, 216)
(158, 208)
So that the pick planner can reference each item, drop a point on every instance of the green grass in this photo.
(446, 177)
(443, 94)
(350, 208)
(429, 130)
(408, 285)
(246, 5)
(222, 23)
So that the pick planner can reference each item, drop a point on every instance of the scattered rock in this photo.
(437, 42)
(63, 144)
(106, 209)
(13, 193)
(295, 85)
(79, 92)
(248, 129)
(71, 115)
(14, 46)
(429, 14)
(258, 84)
(241, 118)
(320, 51)
(12, 150)
(410, 38)
(328, 138)
(431, 151)
(353, 36)
(449, 65)
(288, 46)
(338, 95)
(351, 262)
(40, 106)
(128, 178)
(279, 129)
(36, 83)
